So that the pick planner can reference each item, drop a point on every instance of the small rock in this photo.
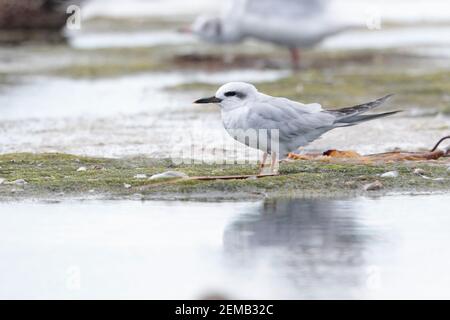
(80, 169)
(377, 185)
(169, 175)
(91, 191)
(419, 172)
(448, 169)
(20, 182)
(2, 180)
(127, 186)
(140, 176)
(390, 174)
(351, 184)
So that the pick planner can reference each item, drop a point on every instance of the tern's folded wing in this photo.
(297, 107)
(290, 120)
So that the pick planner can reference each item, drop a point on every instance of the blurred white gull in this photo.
(291, 23)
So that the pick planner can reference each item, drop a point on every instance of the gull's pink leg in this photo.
(295, 58)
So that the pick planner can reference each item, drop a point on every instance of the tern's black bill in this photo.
(209, 100)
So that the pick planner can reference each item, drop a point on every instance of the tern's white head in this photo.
(232, 95)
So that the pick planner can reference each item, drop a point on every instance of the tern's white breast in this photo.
(235, 118)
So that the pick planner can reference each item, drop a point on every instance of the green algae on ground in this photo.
(5, 80)
(120, 61)
(110, 62)
(122, 24)
(54, 175)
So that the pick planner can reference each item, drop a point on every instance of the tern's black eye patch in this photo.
(234, 93)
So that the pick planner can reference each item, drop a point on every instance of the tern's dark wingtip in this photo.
(395, 111)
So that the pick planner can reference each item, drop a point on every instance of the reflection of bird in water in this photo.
(291, 23)
(313, 243)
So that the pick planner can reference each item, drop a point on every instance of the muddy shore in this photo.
(60, 176)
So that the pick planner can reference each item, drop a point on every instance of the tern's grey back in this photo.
(282, 9)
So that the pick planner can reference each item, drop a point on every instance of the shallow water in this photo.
(91, 40)
(58, 97)
(174, 135)
(416, 37)
(392, 247)
(135, 115)
(417, 19)
(390, 10)
(130, 115)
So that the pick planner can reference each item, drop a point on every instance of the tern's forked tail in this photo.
(353, 115)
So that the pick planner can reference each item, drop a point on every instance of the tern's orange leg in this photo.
(274, 163)
(263, 163)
